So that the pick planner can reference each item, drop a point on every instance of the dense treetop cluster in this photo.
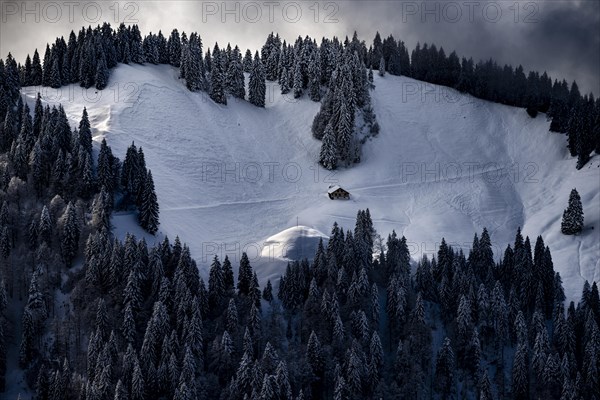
(345, 325)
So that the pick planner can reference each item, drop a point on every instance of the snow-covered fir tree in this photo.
(247, 62)
(572, 220)
(328, 157)
(257, 86)
(381, 67)
(194, 76)
(148, 214)
(217, 77)
(314, 73)
(297, 86)
(235, 80)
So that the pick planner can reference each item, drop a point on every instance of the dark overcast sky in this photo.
(560, 37)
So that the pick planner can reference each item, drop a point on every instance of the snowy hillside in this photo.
(228, 178)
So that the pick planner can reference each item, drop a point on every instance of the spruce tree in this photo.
(208, 61)
(26, 72)
(235, 81)
(520, 375)
(192, 59)
(9, 130)
(314, 354)
(298, 82)
(572, 221)
(38, 116)
(87, 183)
(314, 76)
(354, 369)
(284, 81)
(26, 135)
(216, 285)
(106, 168)
(247, 62)
(27, 339)
(231, 320)
(138, 385)
(101, 73)
(36, 70)
(55, 73)
(268, 292)
(257, 87)
(163, 49)
(148, 213)
(85, 132)
(174, 48)
(394, 66)
(136, 47)
(444, 369)
(45, 226)
(34, 316)
(344, 128)
(217, 78)
(120, 391)
(87, 64)
(382, 67)
(244, 276)
(328, 155)
(228, 282)
(463, 320)
(70, 234)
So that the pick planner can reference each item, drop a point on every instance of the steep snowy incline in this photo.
(229, 178)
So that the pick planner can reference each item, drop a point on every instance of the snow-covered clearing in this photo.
(444, 165)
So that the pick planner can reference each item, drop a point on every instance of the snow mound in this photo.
(293, 243)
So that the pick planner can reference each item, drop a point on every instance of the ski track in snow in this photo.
(405, 177)
(237, 203)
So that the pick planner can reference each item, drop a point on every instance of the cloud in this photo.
(560, 37)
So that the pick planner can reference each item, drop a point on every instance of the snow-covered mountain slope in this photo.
(444, 165)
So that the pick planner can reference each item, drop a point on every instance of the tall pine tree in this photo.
(572, 221)
(148, 213)
(257, 86)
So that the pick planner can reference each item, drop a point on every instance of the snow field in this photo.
(235, 178)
